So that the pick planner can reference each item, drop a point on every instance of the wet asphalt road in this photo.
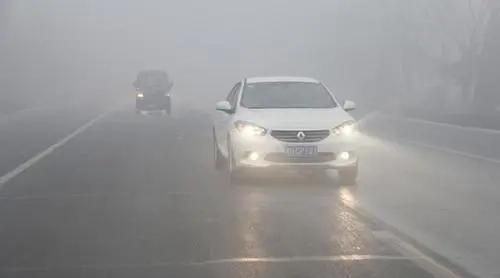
(138, 197)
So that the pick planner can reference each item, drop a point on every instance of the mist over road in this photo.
(90, 189)
(137, 195)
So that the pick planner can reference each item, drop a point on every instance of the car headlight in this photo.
(140, 95)
(249, 129)
(345, 129)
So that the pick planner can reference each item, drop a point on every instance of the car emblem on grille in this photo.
(301, 136)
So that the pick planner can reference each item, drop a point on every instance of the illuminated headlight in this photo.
(344, 156)
(345, 129)
(249, 129)
(140, 95)
(253, 156)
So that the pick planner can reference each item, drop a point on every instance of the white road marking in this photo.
(405, 248)
(374, 114)
(455, 152)
(444, 149)
(305, 259)
(32, 161)
(468, 128)
(429, 264)
(339, 258)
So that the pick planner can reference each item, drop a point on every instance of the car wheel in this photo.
(348, 175)
(219, 160)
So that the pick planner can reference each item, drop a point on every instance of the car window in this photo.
(287, 95)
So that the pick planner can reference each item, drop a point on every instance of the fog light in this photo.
(253, 156)
(344, 156)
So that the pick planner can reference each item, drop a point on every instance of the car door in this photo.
(223, 120)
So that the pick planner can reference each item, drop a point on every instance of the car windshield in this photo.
(152, 79)
(286, 95)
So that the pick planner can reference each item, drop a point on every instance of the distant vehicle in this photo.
(284, 122)
(152, 91)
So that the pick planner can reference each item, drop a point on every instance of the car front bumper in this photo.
(271, 152)
(149, 103)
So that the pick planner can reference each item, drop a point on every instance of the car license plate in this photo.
(301, 151)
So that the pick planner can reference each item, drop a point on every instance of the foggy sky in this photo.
(76, 46)
(71, 49)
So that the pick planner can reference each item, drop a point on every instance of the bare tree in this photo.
(469, 40)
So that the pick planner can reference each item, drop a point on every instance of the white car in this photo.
(290, 122)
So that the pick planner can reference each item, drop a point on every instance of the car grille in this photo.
(284, 158)
(309, 135)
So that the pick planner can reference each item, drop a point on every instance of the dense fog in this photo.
(394, 54)
(104, 174)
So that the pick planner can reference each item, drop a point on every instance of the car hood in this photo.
(295, 118)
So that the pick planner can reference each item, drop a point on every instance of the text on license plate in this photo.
(301, 151)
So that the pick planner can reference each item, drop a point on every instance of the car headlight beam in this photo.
(249, 129)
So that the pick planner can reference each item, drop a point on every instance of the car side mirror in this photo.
(224, 106)
(349, 105)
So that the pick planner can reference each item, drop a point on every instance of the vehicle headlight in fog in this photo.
(344, 156)
(140, 95)
(345, 129)
(253, 156)
(249, 129)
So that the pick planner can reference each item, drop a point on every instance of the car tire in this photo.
(219, 160)
(348, 175)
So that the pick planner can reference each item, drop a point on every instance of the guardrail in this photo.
(470, 141)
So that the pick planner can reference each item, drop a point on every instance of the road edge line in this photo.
(441, 124)
(4, 179)
(406, 143)
(427, 253)
(453, 151)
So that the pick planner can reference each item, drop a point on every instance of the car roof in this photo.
(271, 79)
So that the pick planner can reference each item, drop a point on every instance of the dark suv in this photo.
(153, 87)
